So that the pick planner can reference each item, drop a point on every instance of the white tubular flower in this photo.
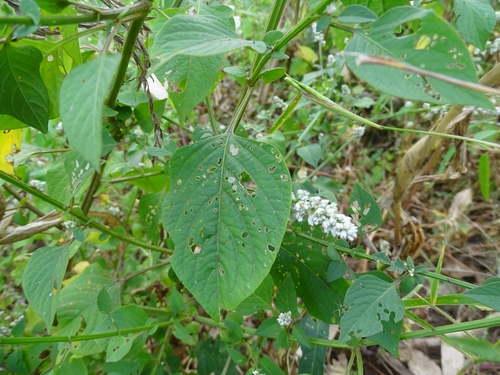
(285, 319)
(37, 184)
(331, 8)
(325, 213)
(358, 131)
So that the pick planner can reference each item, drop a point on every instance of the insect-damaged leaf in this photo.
(226, 213)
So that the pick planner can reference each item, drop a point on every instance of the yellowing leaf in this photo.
(306, 53)
(10, 144)
(423, 42)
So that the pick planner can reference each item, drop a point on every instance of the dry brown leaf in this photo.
(420, 364)
(12, 235)
(460, 203)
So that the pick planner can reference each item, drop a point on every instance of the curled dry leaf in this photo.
(21, 233)
(460, 203)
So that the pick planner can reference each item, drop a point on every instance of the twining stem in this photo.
(78, 214)
(323, 101)
(125, 13)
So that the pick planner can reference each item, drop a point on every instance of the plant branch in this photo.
(130, 13)
(78, 214)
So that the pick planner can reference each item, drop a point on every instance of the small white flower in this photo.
(69, 224)
(330, 60)
(37, 184)
(409, 104)
(140, 165)
(345, 89)
(138, 132)
(411, 272)
(358, 131)
(279, 102)
(156, 89)
(285, 319)
(114, 211)
(331, 8)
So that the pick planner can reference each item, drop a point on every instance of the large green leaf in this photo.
(307, 263)
(79, 301)
(377, 6)
(435, 47)
(368, 302)
(23, 94)
(201, 35)
(81, 101)
(313, 358)
(190, 80)
(52, 78)
(488, 294)
(226, 213)
(42, 280)
(260, 299)
(475, 20)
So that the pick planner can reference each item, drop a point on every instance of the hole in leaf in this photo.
(196, 249)
(403, 56)
(254, 223)
(243, 245)
(219, 162)
(266, 230)
(271, 169)
(221, 271)
(244, 235)
(200, 167)
(271, 248)
(190, 241)
(211, 170)
(284, 177)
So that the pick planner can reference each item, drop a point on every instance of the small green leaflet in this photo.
(484, 176)
(365, 210)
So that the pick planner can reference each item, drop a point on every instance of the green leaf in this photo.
(260, 299)
(42, 280)
(118, 347)
(377, 6)
(484, 175)
(477, 348)
(176, 302)
(28, 8)
(156, 151)
(226, 212)
(237, 73)
(201, 35)
(382, 258)
(397, 266)
(268, 327)
(77, 169)
(435, 47)
(313, 357)
(286, 297)
(307, 264)
(79, 300)
(104, 302)
(52, 78)
(150, 207)
(311, 153)
(73, 366)
(388, 338)
(476, 20)
(234, 332)
(268, 367)
(81, 104)
(53, 6)
(23, 94)
(357, 14)
(488, 294)
(301, 337)
(190, 80)
(407, 285)
(368, 302)
(365, 210)
(323, 23)
(272, 37)
(271, 75)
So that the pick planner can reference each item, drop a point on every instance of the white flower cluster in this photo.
(322, 211)
(345, 89)
(358, 131)
(279, 102)
(70, 225)
(285, 319)
(257, 372)
(330, 60)
(492, 47)
(331, 8)
(37, 184)
(115, 211)
(318, 36)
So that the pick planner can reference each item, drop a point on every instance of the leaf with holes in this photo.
(307, 263)
(365, 210)
(23, 95)
(368, 302)
(42, 280)
(226, 212)
(435, 47)
(475, 20)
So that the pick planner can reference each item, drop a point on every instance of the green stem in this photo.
(323, 101)
(131, 178)
(134, 274)
(129, 13)
(211, 116)
(240, 108)
(128, 49)
(78, 214)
